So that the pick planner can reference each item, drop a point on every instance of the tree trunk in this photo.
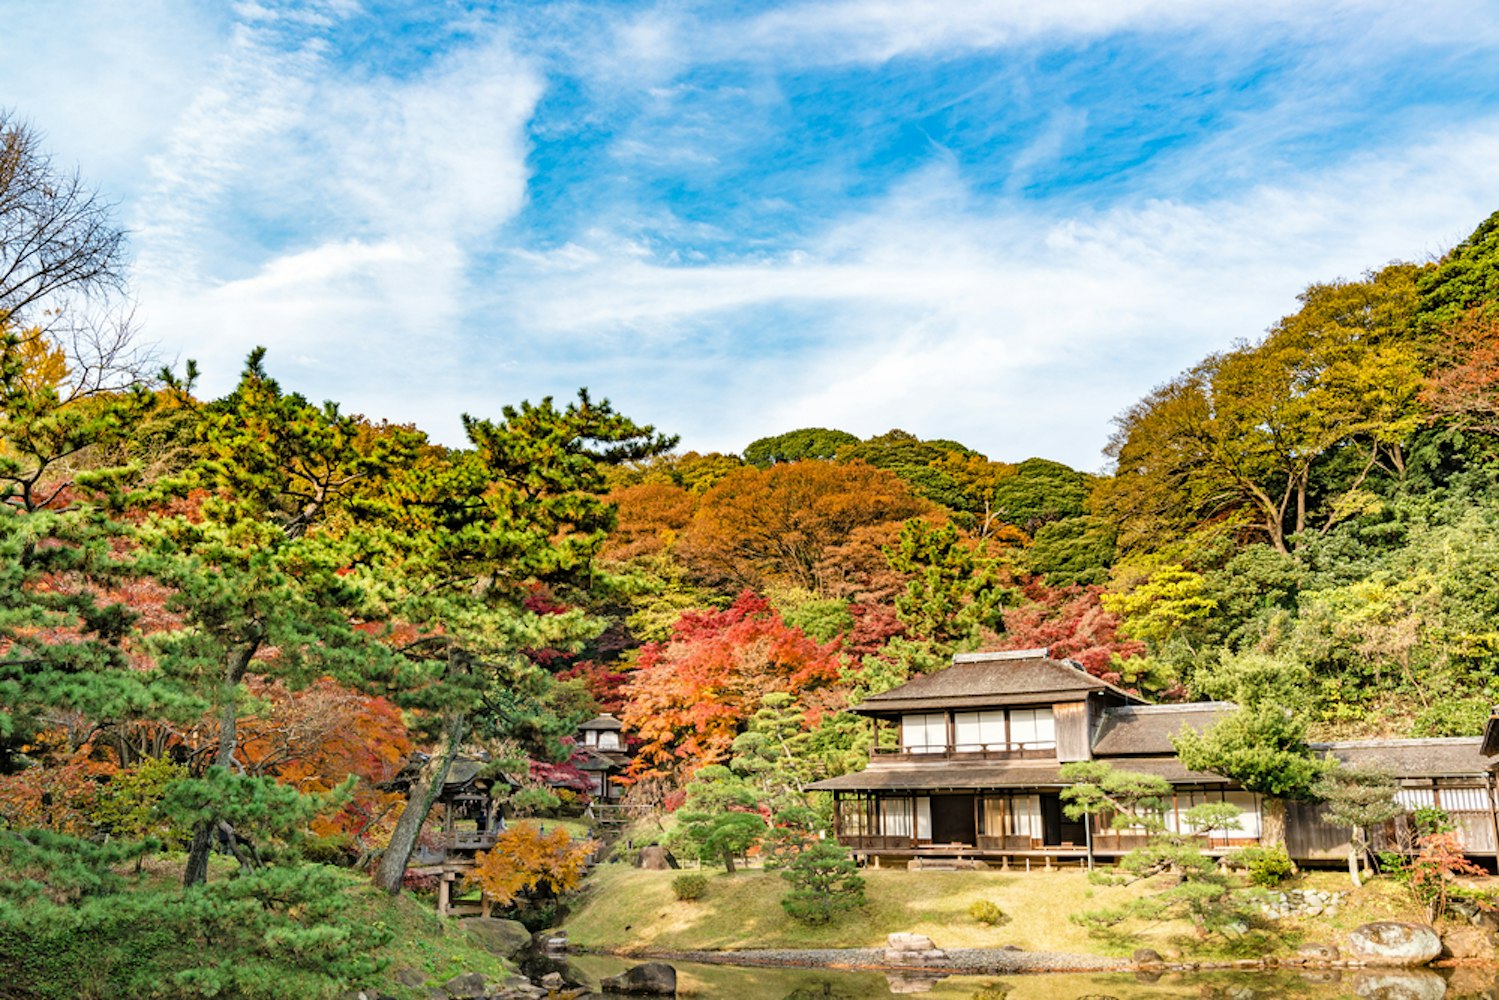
(1273, 822)
(235, 665)
(1353, 865)
(391, 872)
(728, 861)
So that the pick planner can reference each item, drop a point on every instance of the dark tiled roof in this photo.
(1017, 775)
(1018, 677)
(602, 723)
(1134, 730)
(1433, 758)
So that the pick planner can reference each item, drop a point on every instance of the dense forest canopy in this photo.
(239, 619)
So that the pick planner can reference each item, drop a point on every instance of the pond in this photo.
(737, 983)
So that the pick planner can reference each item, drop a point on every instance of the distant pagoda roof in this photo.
(602, 723)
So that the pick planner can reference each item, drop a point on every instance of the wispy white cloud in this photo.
(372, 199)
(1000, 323)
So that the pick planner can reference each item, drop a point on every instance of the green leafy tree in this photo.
(1466, 278)
(1262, 745)
(1131, 799)
(825, 882)
(720, 819)
(954, 591)
(1265, 432)
(71, 925)
(259, 571)
(480, 528)
(794, 446)
(131, 803)
(1200, 891)
(1357, 798)
(1041, 492)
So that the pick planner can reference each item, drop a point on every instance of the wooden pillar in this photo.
(952, 732)
(1488, 785)
(444, 890)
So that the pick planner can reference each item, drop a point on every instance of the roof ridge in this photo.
(1186, 706)
(1397, 741)
(1043, 653)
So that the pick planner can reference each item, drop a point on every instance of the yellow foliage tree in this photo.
(526, 858)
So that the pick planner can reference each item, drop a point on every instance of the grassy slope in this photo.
(441, 949)
(627, 909)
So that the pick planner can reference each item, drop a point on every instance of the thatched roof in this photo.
(601, 723)
(981, 680)
(1447, 757)
(1144, 730)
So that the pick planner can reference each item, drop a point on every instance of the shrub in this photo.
(1267, 866)
(1429, 821)
(824, 882)
(989, 913)
(691, 886)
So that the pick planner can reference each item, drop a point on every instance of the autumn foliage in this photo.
(778, 524)
(527, 859)
(1073, 624)
(690, 696)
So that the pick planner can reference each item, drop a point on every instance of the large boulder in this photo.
(912, 949)
(655, 979)
(1388, 942)
(656, 859)
(506, 938)
(1468, 942)
(468, 985)
(1317, 954)
(1406, 984)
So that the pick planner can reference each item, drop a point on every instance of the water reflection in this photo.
(733, 983)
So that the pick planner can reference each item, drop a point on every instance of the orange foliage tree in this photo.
(1465, 385)
(314, 739)
(652, 516)
(526, 859)
(691, 695)
(778, 524)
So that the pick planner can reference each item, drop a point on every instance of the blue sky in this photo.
(998, 222)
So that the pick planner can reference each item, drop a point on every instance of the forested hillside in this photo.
(239, 618)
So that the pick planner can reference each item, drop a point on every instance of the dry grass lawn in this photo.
(625, 909)
(628, 909)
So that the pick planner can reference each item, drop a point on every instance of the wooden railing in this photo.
(1040, 750)
(469, 840)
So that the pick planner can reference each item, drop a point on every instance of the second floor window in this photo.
(1004, 731)
(923, 733)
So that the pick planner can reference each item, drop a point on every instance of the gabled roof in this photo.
(1446, 757)
(1138, 730)
(1490, 746)
(978, 680)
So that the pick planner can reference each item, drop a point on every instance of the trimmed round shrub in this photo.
(986, 912)
(1267, 866)
(691, 886)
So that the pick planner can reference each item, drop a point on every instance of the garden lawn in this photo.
(626, 909)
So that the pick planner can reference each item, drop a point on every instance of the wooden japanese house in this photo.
(604, 753)
(974, 769)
